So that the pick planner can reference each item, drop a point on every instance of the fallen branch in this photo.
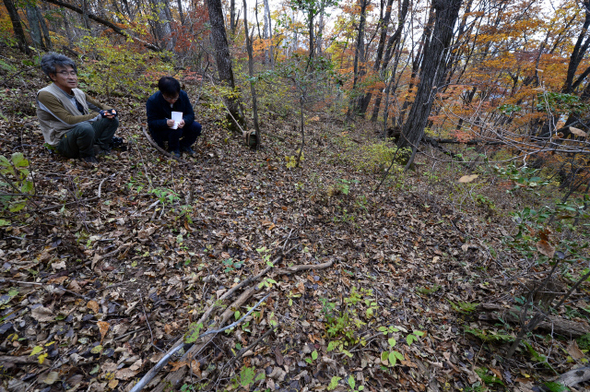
(152, 373)
(155, 145)
(175, 377)
(493, 313)
(56, 287)
(69, 203)
(574, 377)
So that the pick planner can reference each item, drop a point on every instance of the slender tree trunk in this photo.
(392, 43)
(384, 24)
(34, 29)
(19, 33)
(359, 63)
(84, 15)
(44, 29)
(223, 59)
(447, 12)
(251, 73)
(232, 16)
(180, 13)
(67, 27)
(319, 37)
(579, 50)
(311, 38)
(424, 42)
(267, 33)
(257, 22)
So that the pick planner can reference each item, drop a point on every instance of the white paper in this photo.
(177, 117)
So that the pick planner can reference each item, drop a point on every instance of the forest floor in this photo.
(109, 264)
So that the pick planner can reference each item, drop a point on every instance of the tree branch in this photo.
(106, 23)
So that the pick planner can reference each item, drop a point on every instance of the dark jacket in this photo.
(158, 111)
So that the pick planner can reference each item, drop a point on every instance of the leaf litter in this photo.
(118, 260)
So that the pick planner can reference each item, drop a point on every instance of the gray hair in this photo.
(52, 60)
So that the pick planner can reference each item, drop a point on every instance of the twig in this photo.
(148, 322)
(155, 145)
(146, 173)
(2, 280)
(130, 333)
(69, 203)
(151, 374)
(236, 322)
(103, 180)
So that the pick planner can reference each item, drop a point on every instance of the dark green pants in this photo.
(79, 141)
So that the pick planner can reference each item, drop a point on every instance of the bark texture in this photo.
(19, 33)
(223, 59)
(433, 66)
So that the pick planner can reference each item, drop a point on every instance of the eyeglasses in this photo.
(66, 73)
(170, 99)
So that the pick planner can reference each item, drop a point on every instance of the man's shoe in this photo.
(89, 159)
(101, 151)
(175, 153)
(188, 150)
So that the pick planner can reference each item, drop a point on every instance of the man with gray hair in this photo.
(75, 124)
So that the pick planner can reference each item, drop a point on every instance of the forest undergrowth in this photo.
(421, 284)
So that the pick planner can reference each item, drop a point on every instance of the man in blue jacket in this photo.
(180, 135)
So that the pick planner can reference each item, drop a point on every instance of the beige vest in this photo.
(52, 127)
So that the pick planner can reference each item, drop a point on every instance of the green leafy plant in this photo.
(391, 357)
(428, 290)
(352, 384)
(524, 177)
(488, 378)
(110, 67)
(15, 185)
(231, 264)
(334, 383)
(247, 377)
(193, 333)
(463, 307)
(343, 326)
(490, 336)
(314, 356)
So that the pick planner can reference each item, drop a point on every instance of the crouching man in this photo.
(75, 124)
(161, 108)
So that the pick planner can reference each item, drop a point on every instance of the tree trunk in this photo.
(251, 73)
(359, 63)
(432, 67)
(392, 43)
(232, 16)
(384, 24)
(223, 59)
(44, 29)
(579, 50)
(19, 33)
(180, 13)
(267, 33)
(34, 29)
(162, 17)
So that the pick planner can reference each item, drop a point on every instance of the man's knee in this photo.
(83, 130)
